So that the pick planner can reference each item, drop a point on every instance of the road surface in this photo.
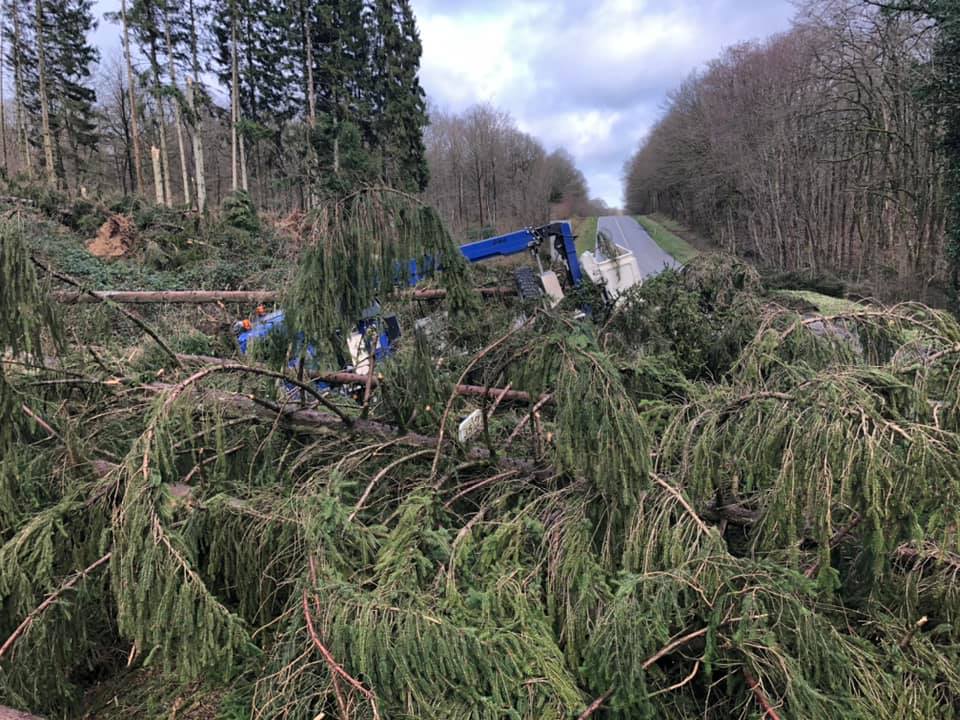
(630, 234)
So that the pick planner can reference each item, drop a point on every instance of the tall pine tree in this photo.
(73, 114)
(54, 103)
(399, 103)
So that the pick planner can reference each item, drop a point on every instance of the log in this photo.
(8, 713)
(348, 378)
(439, 293)
(309, 420)
(199, 297)
(147, 297)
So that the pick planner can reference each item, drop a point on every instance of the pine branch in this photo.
(335, 667)
(760, 696)
(52, 598)
(595, 705)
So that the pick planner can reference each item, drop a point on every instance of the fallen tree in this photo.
(146, 297)
(704, 512)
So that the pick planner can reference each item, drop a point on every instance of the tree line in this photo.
(830, 148)
(487, 175)
(288, 100)
(319, 96)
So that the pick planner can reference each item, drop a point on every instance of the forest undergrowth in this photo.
(702, 502)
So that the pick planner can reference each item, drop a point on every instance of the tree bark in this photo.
(8, 713)
(161, 128)
(146, 297)
(308, 46)
(172, 69)
(234, 100)
(134, 128)
(157, 173)
(44, 99)
(20, 119)
(3, 117)
(311, 103)
(198, 297)
(198, 160)
(199, 178)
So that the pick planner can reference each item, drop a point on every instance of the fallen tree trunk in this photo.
(148, 297)
(348, 378)
(439, 293)
(200, 297)
(307, 419)
(8, 713)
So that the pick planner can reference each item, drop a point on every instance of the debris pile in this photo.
(694, 506)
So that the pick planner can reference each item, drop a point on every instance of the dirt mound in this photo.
(115, 238)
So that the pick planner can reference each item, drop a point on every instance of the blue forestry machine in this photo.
(378, 334)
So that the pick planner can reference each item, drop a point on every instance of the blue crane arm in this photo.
(510, 244)
(559, 233)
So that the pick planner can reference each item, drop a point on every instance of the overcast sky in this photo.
(591, 75)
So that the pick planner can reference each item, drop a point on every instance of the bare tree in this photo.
(809, 151)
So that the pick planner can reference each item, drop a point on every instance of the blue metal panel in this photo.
(509, 244)
(570, 245)
(261, 328)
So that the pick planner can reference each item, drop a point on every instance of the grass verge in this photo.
(675, 246)
(826, 304)
(586, 231)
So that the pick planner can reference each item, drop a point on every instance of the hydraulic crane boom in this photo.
(530, 240)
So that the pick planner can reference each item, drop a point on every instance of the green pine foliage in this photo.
(361, 250)
(770, 526)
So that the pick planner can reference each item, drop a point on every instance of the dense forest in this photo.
(319, 95)
(285, 99)
(831, 148)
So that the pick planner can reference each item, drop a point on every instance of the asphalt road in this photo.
(630, 234)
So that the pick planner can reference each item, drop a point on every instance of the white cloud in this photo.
(589, 75)
(586, 75)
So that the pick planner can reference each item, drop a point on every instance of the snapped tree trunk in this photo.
(157, 173)
(134, 128)
(198, 161)
(161, 128)
(172, 69)
(197, 138)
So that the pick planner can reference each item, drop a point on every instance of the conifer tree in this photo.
(72, 99)
(20, 57)
(400, 102)
(42, 92)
